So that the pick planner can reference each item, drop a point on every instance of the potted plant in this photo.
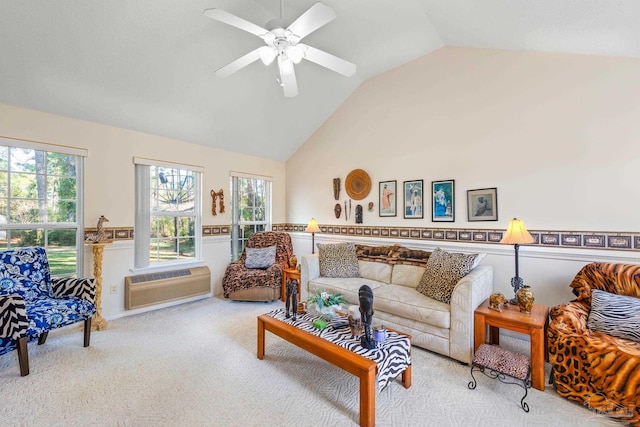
(324, 304)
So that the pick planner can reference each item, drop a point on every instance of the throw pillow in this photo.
(615, 315)
(260, 257)
(442, 273)
(402, 255)
(373, 253)
(338, 260)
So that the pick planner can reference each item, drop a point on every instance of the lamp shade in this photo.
(517, 233)
(313, 226)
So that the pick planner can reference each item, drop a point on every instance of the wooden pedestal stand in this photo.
(98, 323)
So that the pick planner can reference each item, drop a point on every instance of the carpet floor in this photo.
(195, 365)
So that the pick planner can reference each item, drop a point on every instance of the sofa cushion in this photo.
(402, 255)
(443, 272)
(347, 286)
(375, 271)
(373, 253)
(338, 260)
(406, 302)
(48, 313)
(260, 257)
(615, 315)
(407, 275)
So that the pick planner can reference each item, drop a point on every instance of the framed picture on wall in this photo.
(413, 200)
(482, 204)
(387, 201)
(444, 201)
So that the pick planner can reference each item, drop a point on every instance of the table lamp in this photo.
(516, 235)
(313, 229)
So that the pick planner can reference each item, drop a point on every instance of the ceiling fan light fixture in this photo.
(295, 54)
(267, 55)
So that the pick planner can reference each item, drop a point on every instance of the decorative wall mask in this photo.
(337, 210)
(336, 188)
(214, 196)
(358, 214)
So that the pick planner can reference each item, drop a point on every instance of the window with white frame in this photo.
(41, 201)
(251, 210)
(168, 215)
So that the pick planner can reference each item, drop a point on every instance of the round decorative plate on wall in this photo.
(358, 184)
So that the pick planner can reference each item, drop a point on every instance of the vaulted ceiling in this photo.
(149, 65)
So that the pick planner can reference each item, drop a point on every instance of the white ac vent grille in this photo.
(150, 277)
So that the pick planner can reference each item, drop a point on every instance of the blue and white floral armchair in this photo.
(32, 304)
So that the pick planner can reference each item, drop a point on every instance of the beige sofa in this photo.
(443, 328)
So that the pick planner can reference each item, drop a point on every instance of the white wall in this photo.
(557, 134)
(110, 190)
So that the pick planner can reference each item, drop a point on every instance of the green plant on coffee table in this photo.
(325, 303)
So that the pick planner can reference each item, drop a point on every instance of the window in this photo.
(251, 210)
(168, 219)
(41, 201)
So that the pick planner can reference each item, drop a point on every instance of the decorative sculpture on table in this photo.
(291, 301)
(214, 196)
(100, 235)
(365, 295)
(497, 301)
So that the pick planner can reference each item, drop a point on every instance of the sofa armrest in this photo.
(309, 270)
(13, 306)
(82, 288)
(569, 318)
(471, 291)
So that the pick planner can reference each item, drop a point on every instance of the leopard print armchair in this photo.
(246, 284)
(597, 370)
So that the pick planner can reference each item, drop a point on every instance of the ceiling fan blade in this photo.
(315, 17)
(239, 63)
(328, 60)
(235, 21)
(289, 84)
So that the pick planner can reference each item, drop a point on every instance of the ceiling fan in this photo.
(283, 45)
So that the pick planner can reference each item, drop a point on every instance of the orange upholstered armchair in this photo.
(592, 367)
(241, 282)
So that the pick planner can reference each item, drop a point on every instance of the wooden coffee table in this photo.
(365, 369)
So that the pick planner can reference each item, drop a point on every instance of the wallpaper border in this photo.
(600, 240)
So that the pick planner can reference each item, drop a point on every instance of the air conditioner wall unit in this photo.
(149, 289)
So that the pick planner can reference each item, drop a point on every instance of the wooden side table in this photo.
(534, 325)
(289, 273)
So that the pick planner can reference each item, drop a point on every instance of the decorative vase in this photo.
(525, 299)
(293, 261)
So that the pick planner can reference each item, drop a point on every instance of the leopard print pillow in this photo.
(442, 273)
(338, 260)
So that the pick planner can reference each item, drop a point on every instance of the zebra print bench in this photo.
(32, 303)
